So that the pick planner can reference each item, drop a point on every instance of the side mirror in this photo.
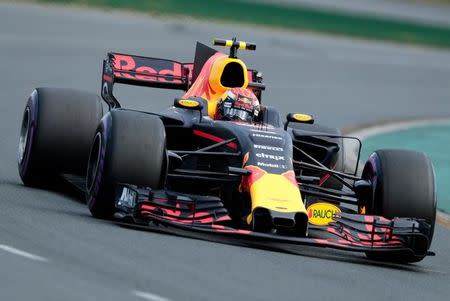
(298, 118)
(189, 104)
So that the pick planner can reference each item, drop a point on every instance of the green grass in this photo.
(295, 18)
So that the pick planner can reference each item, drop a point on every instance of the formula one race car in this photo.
(219, 163)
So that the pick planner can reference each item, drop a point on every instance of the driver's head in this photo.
(238, 104)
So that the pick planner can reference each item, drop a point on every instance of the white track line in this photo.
(370, 131)
(443, 218)
(22, 253)
(149, 296)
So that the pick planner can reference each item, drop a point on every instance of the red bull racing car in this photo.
(220, 163)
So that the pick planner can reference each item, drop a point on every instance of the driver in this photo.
(238, 104)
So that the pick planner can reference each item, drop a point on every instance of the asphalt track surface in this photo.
(52, 249)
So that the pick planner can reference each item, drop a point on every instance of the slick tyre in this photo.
(128, 147)
(56, 133)
(403, 185)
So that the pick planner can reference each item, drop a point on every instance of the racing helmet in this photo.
(238, 104)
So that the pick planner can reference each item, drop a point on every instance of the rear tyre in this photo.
(403, 185)
(56, 134)
(128, 147)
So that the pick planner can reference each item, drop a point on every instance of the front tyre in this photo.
(128, 147)
(403, 185)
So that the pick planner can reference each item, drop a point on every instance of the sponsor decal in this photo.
(147, 69)
(267, 147)
(244, 103)
(271, 157)
(264, 131)
(302, 117)
(189, 103)
(273, 137)
(246, 156)
(251, 125)
(321, 214)
(268, 165)
(128, 198)
(272, 165)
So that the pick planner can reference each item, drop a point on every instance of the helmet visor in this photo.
(233, 113)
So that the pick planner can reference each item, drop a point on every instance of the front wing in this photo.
(206, 216)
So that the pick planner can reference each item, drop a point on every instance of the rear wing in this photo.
(153, 72)
(142, 71)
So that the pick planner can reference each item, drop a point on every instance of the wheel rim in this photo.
(24, 131)
(94, 160)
